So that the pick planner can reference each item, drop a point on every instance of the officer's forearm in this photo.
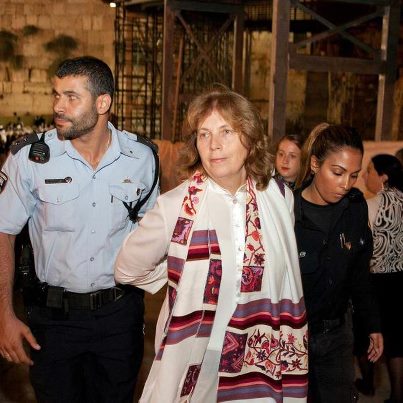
(6, 272)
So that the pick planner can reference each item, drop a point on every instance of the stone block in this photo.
(7, 87)
(43, 88)
(42, 104)
(58, 9)
(21, 103)
(29, 9)
(38, 76)
(44, 22)
(6, 20)
(19, 75)
(17, 87)
(18, 22)
(97, 23)
(87, 23)
(4, 74)
(8, 8)
(32, 19)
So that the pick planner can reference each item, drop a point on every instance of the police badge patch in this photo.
(3, 180)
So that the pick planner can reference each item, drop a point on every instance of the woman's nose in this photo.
(348, 183)
(215, 142)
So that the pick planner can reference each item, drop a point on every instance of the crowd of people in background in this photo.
(12, 130)
(274, 277)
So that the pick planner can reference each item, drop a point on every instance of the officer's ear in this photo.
(103, 103)
(315, 165)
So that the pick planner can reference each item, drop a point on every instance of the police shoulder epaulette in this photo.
(23, 141)
(146, 141)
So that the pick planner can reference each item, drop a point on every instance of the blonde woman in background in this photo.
(288, 158)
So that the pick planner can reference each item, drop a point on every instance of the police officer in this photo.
(77, 187)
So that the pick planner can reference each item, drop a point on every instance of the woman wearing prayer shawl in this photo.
(233, 324)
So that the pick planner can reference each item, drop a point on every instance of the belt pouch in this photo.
(54, 298)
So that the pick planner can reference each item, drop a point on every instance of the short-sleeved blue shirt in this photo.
(77, 219)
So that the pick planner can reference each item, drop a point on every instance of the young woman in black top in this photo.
(334, 246)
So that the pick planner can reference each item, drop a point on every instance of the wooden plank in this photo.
(335, 64)
(327, 23)
(386, 84)
(338, 29)
(237, 81)
(196, 62)
(212, 7)
(366, 2)
(279, 69)
(167, 71)
(177, 87)
(199, 46)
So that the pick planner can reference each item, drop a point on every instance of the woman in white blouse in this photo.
(233, 324)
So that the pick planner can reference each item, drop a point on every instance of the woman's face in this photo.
(221, 152)
(373, 181)
(334, 178)
(288, 160)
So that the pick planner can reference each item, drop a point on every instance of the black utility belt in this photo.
(325, 326)
(59, 298)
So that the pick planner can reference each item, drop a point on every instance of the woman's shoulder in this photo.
(177, 192)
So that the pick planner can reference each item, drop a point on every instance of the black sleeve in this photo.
(363, 296)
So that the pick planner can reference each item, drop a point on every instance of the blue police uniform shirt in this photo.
(77, 219)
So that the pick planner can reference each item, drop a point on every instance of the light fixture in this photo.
(112, 4)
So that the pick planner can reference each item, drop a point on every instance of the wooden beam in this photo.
(335, 64)
(327, 23)
(199, 45)
(196, 62)
(237, 82)
(279, 69)
(177, 87)
(381, 3)
(386, 84)
(167, 71)
(340, 28)
(212, 7)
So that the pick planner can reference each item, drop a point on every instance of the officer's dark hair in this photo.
(100, 77)
(386, 164)
(323, 140)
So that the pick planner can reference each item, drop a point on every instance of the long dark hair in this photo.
(386, 164)
(323, 140)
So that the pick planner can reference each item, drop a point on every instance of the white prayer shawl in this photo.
(277, 335)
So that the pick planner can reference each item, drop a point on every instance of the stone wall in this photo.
(27, 90)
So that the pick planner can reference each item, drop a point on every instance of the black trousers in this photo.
(88, 356)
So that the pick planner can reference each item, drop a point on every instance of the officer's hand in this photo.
(12, 335)
(375, 348)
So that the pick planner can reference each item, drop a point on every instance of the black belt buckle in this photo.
(96, 300)
(117, 293)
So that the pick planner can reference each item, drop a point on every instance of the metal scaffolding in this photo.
(168, 51)
(138, 60)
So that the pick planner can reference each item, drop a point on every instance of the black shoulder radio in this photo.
(39, 151)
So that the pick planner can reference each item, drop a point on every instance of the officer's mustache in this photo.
(60, 116)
